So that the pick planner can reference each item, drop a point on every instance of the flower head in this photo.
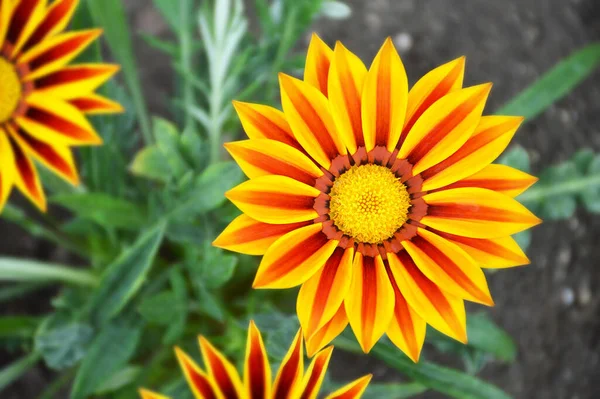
(221, 380)
(42, 99)
(381, 202)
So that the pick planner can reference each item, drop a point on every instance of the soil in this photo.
(550, 307)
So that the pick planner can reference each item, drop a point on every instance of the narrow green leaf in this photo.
(110, 351)
(169, 12)
(486, 336)
(177, 328)
(591, 194)
(124, 277)
(118, 380)
(393, 390)
(12, 269)
(162, 308)
(18, 326)
(555, 84)
(15, 370)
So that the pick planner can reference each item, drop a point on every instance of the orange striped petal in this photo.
(322, 295)
(328, 332)
(145, 394)
(370, 304)
(51, 119)
(407, 328)
(294, 258)
(430, 88)
(27, 179)
(307, 111)
(313, 379)
(491, 137)
(26, 16)
(501, 178)
(354, 390)
(261, 157)
(448, 266)
(346, 79)
(289, 377)
(477, 213)
(73, 80)
(264, 122)
(442, 311)
(490, 253)
(444, 127)
(384, 99)
(275, 199)
(7, 168)
(257, 371)
(221, 371)
(95, 104)
(57, 158)
(56, 52)
(55, 20)
(199, 382)
(248, 236)
(6, 12)
(318, 59)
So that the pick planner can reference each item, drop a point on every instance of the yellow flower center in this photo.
(10, 90)
(369, 203)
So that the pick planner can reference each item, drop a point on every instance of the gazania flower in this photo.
(381, 202)
(221, 380)
(42, 99)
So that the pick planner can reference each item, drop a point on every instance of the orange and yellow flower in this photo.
(221, 380)
(380, 201)
(42, 99)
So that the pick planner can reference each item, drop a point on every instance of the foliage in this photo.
(144, 275)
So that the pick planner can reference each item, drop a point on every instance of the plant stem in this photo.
(57, 384)
(16, 369)
(26, 270)
(185, 44)
(571, 186)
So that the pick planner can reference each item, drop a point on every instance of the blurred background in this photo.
(551, 307)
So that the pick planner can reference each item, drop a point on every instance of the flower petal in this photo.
(442, 311)
(56, 18)
(6, 13)
(444, 127)
(145, 394)
(221, 371)
(384, 99)
(7, 168)
(354, 390)
(430, 88)
(95, 104)
(307, 111)
(260, 157)
(264, 122)
(328, 332)
(248, 236)
(275, 199)
(294, 258)
(501, 178)
(346, 79)
(322, 295)
(51, 119)
(54, 53)
(448, 266)
(490, 253)
(289, 378)
(257, 371)
(27, 14)
(407, 328)
(370, 305)
(73, 80)
(315, 374)
(491, 137)
(477, 213)
(199, 382)
(318, 58)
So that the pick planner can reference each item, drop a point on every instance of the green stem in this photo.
(26, 270)
(185, 44)
(16, 369)
(51, 391)
(568, 187)
(15, 291)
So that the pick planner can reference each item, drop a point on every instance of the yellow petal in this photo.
(201, 385)
(370, 303)
(94, 104)
(318, 59)
(294, 258)
(384, 99)
(444, 127)
(145, 394)
(74, 80)
(7, 168)
(315, 374)
(27, 16)
(328, 332)
(257, 371)
(288, 382)
(221, 372)
(55, 19)
(354, 390)
(6, 11)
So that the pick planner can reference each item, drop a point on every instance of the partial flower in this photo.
(220, 378)
(43, 100)
(380, 201)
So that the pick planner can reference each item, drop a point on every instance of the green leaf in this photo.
(517, 157)
(118, 380)
(590, 195)
(167, 140)
(150, 163)
(451, 382)
(162, 308)
(112, 348)
(124, 277)
(485, 335)
(208, 302)
(393, 390)
(17, 328)
(523, 239)
(555, 84)
(582, 160)
(103, 209)
(63, 346)
(215, 269)
(110, 15)
(169, 12)
(177, 327)
(335, 10)
(12, 269)
(15, 370)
